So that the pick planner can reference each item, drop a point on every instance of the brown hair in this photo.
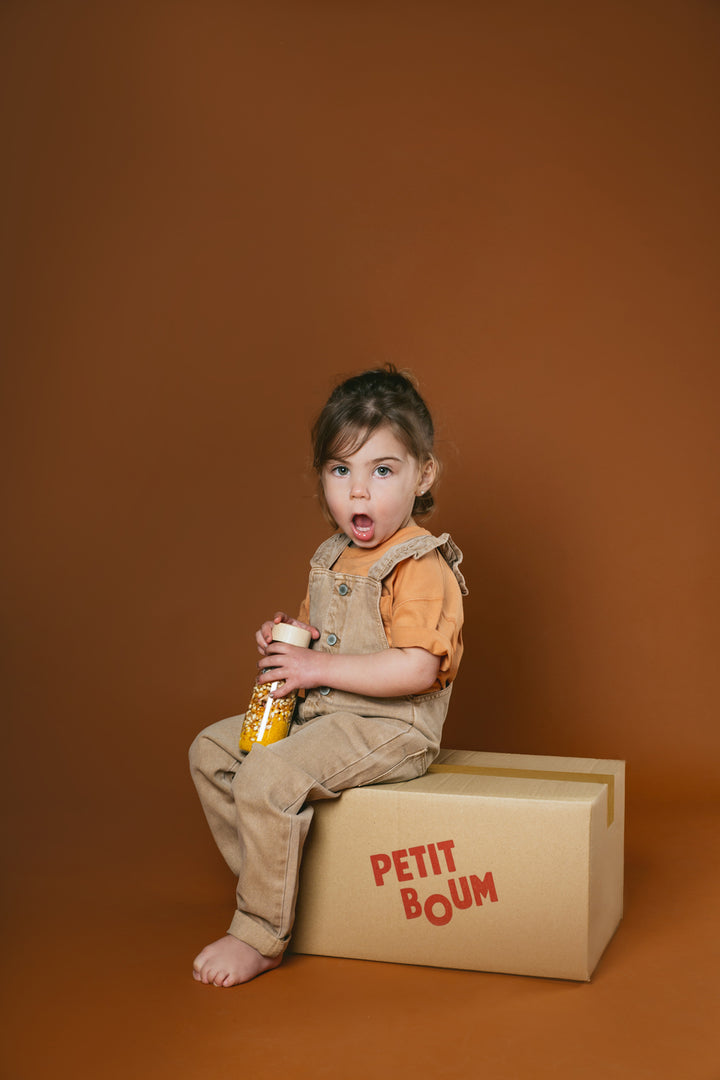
(362, 404)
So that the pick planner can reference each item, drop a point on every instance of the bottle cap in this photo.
(291, 635)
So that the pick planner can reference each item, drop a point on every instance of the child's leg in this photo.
(258, 806)
(274, 794)
(215, 758)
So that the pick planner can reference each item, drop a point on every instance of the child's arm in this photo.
(390, 673)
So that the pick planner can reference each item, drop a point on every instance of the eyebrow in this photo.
(375, 461)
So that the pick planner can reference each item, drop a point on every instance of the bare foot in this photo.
(229, 962)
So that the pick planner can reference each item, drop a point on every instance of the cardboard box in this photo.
(490, 862)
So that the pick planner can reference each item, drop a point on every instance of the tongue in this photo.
(362, 521)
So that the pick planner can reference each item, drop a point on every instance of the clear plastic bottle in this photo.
(268, 719)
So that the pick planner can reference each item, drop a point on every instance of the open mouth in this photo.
(363, 527)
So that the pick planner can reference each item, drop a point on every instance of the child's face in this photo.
(371, 492)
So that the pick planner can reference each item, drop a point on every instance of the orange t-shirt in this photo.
(420, 602)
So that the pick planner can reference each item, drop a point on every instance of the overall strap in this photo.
(415, 548)
(329, 551)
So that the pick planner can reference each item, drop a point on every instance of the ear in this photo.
(427, 476)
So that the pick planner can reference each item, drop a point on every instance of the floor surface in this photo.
(98, 984)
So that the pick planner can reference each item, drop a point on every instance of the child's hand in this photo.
(264, 635)
(292, 665)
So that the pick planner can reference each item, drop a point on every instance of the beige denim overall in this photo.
(259, 805)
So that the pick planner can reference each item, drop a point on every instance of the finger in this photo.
(272, 655)
(279, 648)
(267, 676)
(285, 687)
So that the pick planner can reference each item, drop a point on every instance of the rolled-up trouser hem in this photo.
(244, 928)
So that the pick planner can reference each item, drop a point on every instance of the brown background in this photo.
(211, 211)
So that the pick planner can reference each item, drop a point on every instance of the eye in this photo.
(339, 470)
(383, 470)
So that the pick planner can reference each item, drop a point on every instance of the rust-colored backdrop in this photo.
(211, 212)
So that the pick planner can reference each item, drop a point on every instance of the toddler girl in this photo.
(384, 607)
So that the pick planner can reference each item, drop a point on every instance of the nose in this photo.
(358, 490)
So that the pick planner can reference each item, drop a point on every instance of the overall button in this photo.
(332, 639)
(324, 690)
(343, 589)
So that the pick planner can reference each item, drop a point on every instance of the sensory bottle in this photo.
(268, 719)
